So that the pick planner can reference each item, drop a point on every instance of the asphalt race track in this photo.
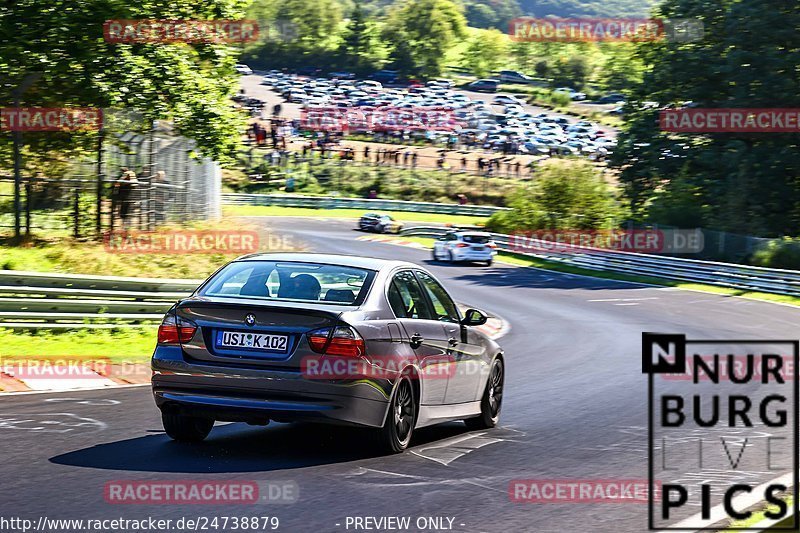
(575, 407)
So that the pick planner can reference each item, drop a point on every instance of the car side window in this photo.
(405, 297)
(444, 309)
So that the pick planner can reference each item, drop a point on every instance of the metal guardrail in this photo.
(743, 277)
(50, 300)
(332, 202)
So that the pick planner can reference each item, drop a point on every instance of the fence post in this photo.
(100, 179)
(28, 207)
(76, 210)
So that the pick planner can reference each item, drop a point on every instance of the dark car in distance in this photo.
(486, 86)
(324, 338)
(380, 223)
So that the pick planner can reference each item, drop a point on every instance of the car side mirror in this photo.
(473, 317)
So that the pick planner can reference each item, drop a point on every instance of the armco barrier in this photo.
(332, 202)
(49, 300)
(741, 277)
(35, 299)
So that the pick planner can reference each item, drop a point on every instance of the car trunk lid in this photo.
(251, 331)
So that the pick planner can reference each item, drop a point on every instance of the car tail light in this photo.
(462, 245)
(174, 330)
(491, 245)
(341, 340)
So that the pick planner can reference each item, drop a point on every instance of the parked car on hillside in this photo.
(512, 76)
(486, 86)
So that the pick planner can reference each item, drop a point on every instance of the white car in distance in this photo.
(456, 246)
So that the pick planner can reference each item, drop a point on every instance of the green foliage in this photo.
(187, 84)
(742, 183)
(357, 44)
(784, 253)
(485, 53)
(584, 8)
(305, 33)
(565, 195)
(326, 177)
(491, 14)
(421, 31)
(572, 72)
(679, 205)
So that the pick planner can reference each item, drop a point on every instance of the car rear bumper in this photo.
(485, 255)
(243, 394)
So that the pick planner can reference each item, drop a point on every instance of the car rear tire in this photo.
(186, 428)
(492, 400)
(489, 262)
(395, 435)
(433, 255)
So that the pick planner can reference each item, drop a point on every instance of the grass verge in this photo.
(93, 258)
(124, 345)
(523, 260)
(405, 216)
(755, 518)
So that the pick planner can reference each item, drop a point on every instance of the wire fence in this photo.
(135, 181)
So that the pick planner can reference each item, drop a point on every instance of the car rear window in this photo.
(291, 281)
(475, 239)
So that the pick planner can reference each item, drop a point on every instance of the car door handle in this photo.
(452, 341)
(416, 340)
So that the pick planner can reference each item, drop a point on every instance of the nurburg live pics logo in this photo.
(715, 441)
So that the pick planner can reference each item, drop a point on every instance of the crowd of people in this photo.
(329, 146)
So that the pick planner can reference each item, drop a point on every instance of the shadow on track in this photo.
(517, 277)
(241, 448)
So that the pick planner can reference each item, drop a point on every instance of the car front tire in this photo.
(186, 428)
(492, 400)
(395, 435)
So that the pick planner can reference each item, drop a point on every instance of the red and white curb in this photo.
(59, 378)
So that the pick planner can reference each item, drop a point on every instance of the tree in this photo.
(357, 43)
(187, 84)
(572, 72)
(419, 33)
(491, 14)
(567, 195)
(304, 33)
(485, 52)
(746, 183)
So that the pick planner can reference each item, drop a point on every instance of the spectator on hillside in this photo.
(127, 189)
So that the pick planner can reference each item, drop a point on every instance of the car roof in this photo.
(369, 263)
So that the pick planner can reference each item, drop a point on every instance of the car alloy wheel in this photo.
(404, 412)
(495, 389)
(396, 433)
(492, 400)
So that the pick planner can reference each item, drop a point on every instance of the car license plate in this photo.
(478, 248)
(255, 341)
